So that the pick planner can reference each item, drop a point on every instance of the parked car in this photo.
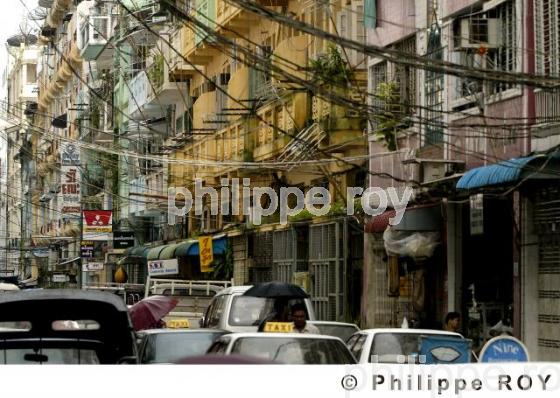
(341, 330)
(171, 345)
(65, 327)
(285, 348)
(230, 310)
(391, 345)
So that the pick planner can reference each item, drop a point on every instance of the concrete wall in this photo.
(396, 19)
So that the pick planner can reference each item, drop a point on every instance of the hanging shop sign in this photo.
(60, 278)
(123, 240)
(70, 190)
(504, 349)
(70, 180)
(92, 266)
(206, 253)
(477, 214)
(97, 225)
(69, 154)
(86, 249)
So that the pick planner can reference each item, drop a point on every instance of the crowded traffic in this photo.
(195, 322)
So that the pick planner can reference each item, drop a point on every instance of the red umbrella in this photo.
(147, 312)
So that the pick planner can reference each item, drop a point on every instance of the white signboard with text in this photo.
(92, 266)
(163, 267)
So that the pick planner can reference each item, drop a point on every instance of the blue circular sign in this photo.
(504, 349)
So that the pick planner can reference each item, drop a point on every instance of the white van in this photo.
(231, 311)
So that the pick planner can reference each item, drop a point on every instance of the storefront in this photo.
(405, 269)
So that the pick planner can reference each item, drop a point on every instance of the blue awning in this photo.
(496, 174)
(190, 247)
(183, 248)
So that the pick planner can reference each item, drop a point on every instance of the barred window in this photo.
(504, 57)
(547, 30)
(433, 87)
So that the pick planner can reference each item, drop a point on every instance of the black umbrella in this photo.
(276, 290)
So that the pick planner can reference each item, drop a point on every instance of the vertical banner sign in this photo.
(86, 249)
(477, 214)
(70, 180)
(206, 253)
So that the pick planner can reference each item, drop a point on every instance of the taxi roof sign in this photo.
(279, 327)
(178, 324)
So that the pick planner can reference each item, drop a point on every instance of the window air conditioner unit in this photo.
(476, 32)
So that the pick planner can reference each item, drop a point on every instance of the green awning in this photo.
(153, 254)
(168, 252)
(182, 248)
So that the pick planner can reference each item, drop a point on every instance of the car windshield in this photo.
(387, 347)
(294, 351)
(170, 347)
(249, 311)
(51, 356)
(341, 331)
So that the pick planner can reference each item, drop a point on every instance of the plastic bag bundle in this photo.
(411, 244)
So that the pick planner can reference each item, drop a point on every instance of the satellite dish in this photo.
(17, 40)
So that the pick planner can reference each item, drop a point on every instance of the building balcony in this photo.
(289, 115)
(293, 49)
(238, 88)
(234, 141)
(203, 108)
(151, 91)
(94, 27)
(198, 49)
(178, 67)
(166, 90)
(29, 92)
(61, 77)
(232, 21)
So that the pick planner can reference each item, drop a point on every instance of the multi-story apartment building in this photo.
(256, 101)
(212, 109)
(480, 152)
(18, 108)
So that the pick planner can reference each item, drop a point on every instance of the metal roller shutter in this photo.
(547, 222)
(326, 269)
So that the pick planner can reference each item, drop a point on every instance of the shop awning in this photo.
(507, 171)
(153, 253)
(219, 244)
(168, 252)
(183, 248)
(70, 261)
(190, 247)
(420, 217)
(379, 223)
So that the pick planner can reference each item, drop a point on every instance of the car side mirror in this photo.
(129, 360)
